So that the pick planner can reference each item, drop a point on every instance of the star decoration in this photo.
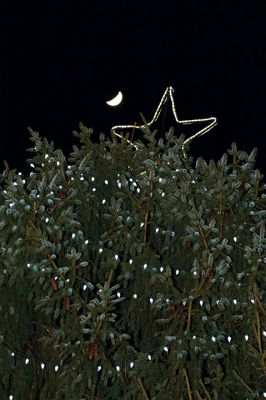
(212, 121)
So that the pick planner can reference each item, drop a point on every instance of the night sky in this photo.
(61, 62)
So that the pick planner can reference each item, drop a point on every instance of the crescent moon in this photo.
(116, 100)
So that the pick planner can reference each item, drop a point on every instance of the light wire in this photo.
(169, 94)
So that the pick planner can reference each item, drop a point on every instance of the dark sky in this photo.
(60, 64)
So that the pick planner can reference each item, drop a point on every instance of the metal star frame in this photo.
(169, 94)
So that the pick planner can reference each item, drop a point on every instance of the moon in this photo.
(116, 100)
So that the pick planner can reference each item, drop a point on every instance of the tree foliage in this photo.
(128, 272)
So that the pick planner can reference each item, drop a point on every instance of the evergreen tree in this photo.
(128, 272)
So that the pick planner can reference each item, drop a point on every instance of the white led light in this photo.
(235, 239)
(264, 394)
(56, 368)
(177, 271)
(213, 339)
(135, 295)
(229, 339)
(252, 301)
(145, 266)
(194, 337)
(131, 364)
(106, 182)
(235, 301)
(149, 357)
(184, 302)
(28, 265)
(81, 178)
(194, 272)
(117, 368)
(58, 163)
(73, 235)
(165, 348)
(92, 179)
(46, 220)
(86, 241)
(94, 189)
(85, 287)
(264, 333)
(42, 365)
(151, 300)
(161, 269)
(11, 397)
(100, 250)
(246, 337)
(27, 361)
(130, 261)
(157, 230)
(103, 201)
(118, 294)
(116, 257)
(142, 224)
(99, 368)
(201, 303)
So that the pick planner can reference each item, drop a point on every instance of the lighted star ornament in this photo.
(212, 121)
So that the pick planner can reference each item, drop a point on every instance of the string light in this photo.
(212, 121)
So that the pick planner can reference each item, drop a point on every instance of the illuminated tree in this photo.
(128, 272)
